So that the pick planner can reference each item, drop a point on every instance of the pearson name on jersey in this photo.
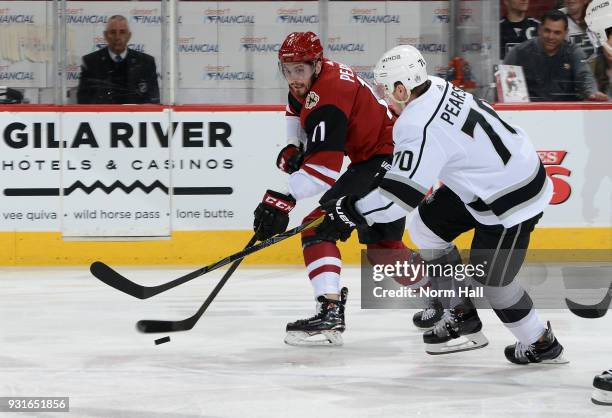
(448, 135)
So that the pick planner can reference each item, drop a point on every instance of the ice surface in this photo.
(66, 334)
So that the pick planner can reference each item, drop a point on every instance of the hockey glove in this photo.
(272, 214)
(290, 159)
(341, 218)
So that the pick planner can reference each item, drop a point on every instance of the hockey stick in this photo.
(591, 311)
(111, 277)
(149, 326)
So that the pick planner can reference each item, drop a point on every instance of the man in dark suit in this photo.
(117, 74)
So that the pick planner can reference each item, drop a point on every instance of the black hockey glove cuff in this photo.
(341, 218)
(272, 214)
(290, 159)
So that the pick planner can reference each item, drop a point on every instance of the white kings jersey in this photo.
(447, 134)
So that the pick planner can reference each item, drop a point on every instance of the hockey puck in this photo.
(162, 340)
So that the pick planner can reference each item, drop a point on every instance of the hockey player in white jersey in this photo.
(493, 183)
(599, 19)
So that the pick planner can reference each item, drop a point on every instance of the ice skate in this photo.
(427, 318)
(325, 328)
(602, 392)
(458, 330)
(548, 351)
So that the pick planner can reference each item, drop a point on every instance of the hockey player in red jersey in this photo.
(331, 113)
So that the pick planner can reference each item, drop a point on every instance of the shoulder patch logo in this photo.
(311, 100)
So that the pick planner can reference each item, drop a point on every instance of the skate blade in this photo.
(424, 329)
(305, 339)
(601, 397)
(560, 359)
(463, 343)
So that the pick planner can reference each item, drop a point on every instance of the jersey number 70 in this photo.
(475, 117)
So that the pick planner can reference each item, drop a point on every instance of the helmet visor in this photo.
(380, 88)
(384, 90)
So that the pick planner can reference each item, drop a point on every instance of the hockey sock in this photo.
(440, 262)
(515, 309)
(392, 252)
(324, 263)
(529, 329)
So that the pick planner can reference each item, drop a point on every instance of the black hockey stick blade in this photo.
(111, 277)
(107, 275)
(150, 326)
(591, 311)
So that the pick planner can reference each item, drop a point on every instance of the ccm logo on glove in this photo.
(283, 205)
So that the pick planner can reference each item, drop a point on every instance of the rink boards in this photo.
(172, 185)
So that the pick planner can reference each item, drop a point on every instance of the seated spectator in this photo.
(603, 65)
(10, 96)
(599, 19)
(554, 69)
(577, 31)
(116, 74)
(516, 27)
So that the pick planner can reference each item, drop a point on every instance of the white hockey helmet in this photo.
(404, 64)
(599, 18)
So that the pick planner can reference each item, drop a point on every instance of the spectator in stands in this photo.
(10, 96)
(516, 27)
(577, 31)
(555, 70)
(603, 66)
(116, 74)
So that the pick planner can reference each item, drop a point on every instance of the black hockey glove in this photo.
(272, 214)
(290, 159)
(341, 218)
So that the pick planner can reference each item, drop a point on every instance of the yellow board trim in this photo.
(204, 247)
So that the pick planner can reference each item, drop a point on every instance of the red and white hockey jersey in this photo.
(340, 116)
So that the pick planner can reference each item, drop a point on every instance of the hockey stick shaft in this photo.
(149, 326)
(591, 311)
(112, 278)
